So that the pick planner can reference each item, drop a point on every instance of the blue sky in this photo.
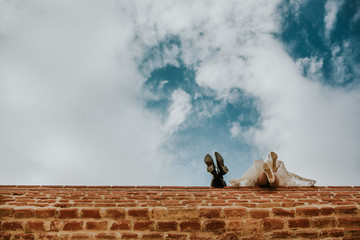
(136, 93)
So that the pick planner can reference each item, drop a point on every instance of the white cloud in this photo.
(70, 104)
(311, 66)
(296, 5)
(235, 129)
(356, 16)
(178, 110)
(331, 9)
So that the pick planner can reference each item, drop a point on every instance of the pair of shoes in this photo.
(222, 169)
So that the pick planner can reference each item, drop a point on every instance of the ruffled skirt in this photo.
(285, 178)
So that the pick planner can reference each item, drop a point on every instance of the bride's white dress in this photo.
(285, 178)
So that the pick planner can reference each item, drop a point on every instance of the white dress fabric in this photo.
(285, 178)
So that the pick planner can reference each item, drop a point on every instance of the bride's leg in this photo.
(262, 180)
(275, 183)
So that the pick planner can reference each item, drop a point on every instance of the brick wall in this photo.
(111, 212)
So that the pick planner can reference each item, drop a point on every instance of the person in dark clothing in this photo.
(217, 171)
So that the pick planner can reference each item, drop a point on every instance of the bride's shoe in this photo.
(269, 172)
(210, 164)
(272, 161)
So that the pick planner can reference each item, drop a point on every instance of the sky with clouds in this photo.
(137, 92)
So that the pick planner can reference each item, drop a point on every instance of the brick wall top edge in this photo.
(172, 187)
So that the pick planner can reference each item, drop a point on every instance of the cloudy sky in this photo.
(137, 92)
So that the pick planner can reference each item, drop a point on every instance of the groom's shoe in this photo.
(220, 163)
(210, 164)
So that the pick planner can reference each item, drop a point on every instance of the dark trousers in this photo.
(218, 181)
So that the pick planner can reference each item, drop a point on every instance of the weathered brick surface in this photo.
(45, 213)
(35, 226)
(154, 212)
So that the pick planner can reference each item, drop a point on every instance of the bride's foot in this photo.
(210, 164)
(220, 163)
(269, 172)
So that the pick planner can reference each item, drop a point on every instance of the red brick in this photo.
(326, 210)
(283, 212)
(5, 236)
(280, 234)
(50, 236)
(129, 236)
(270, 224)
(73, 225)
(6, 212)
(259, 213)
(299, 223)
(176, 236)
(152, 236)
(183, 213)
(343, 203)
(190, 226)
(235, 212)
(228, 236)
(45, 213)
(349, 221)
(35, 226)
(195, 237)
(210, 212)
(92, 225)
(24, 236)
(322, 222)
(79, 236)
(90, 213)
(235, 225)
(352, 232)
(24, 213)
(332, 233)
(12, 226)
(167, 226)
(214, 225)
(68, 213)
(140, 213)
(105, 236)
(307, 211)
(346, 210)
(63, 205)
(252, 226)
(121, 225)
(144, 225)
(308, 234)
(115, 213)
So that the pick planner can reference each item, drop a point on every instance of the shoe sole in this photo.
(273, 157)
(220, 163)
(210, 163)
(268, 172)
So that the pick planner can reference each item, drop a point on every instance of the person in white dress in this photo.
(270, 173)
